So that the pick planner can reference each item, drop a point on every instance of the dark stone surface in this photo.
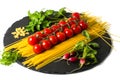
(60, 67)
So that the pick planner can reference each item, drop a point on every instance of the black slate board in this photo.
(60, 67)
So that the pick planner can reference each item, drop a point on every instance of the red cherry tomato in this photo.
(47, 31)
(55, 28)
(72, 21)
(32, 40)
(76, 29)
(76, 15)
(46, 44)
(68, 32)
(53, 39)
(83, 24)
(40, 34)
(64, 28)
(61, 36)
(37, 48)
(62, 23)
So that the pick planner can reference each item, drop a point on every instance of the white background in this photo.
(13, 10)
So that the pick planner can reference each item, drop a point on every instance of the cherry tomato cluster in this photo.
(44, 40)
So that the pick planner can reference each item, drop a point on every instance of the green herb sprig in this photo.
(9, 57)
(43, 19)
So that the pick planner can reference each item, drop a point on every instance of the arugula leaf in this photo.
(49, 12)
(85, 51)
(29, 14)
(55, 15)
(34, 16)
(38, 27)
(45, 24)
(86, 34)
(93, 44)
(43, 19)
(79, 46)
(93, 57)
(62, 11)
